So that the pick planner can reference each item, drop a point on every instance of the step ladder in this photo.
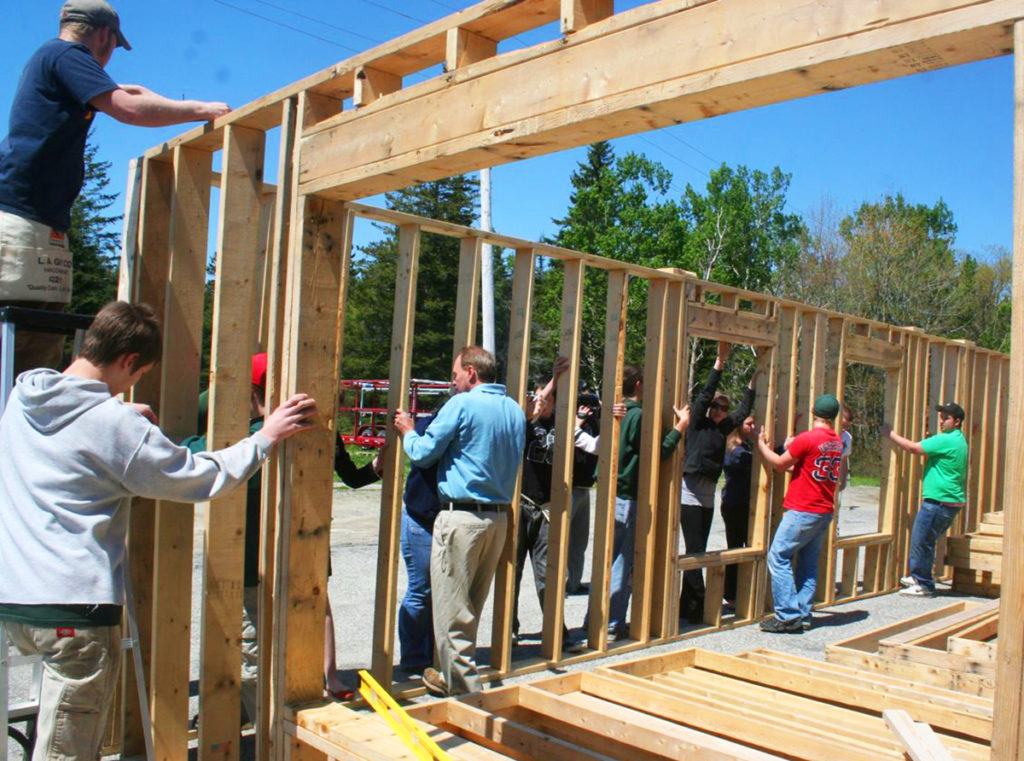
(13, 319)
(26, 710)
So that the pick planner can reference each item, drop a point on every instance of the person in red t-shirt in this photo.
(815, 457)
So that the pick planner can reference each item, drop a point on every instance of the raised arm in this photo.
(707, 393)
(746, 404)
(134, 104)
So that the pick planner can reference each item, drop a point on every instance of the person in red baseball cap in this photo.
(350, 474)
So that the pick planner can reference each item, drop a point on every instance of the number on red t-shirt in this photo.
(826, 468)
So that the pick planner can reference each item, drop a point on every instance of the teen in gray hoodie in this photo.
(72, 456)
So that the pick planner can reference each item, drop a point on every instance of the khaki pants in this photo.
(463, 559)
(35, 272)
(79, 675)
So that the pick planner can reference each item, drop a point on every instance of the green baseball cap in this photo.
(95, 13)
(826, 406)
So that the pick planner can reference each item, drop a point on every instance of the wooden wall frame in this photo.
(356, 129)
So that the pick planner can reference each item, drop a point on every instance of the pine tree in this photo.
(617, 210)
(93, 239)
(372, 287)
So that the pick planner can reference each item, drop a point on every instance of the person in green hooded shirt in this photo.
(943, 493)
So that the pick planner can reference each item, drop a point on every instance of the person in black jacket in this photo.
(735, 506)
(712, 419)
(535, 494)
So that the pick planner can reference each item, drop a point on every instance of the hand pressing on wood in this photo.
(724, 348)
(682, 417)
(293, 416)
(404, 422)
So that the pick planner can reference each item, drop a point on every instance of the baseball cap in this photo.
(259, 370)
(826, 407)
(95, 13)
(952, 409)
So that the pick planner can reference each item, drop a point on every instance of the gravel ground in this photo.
(354, 556)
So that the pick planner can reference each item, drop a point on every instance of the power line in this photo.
(287, 26)
(445, 5)
(384, 7)
(691, 146)
(319, 21)
(677, 158)
(421, 74)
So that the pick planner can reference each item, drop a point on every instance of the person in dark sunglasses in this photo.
(713, 419)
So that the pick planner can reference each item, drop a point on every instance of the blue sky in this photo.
(945, 134)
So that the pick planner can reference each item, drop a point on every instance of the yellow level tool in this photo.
(401, 723)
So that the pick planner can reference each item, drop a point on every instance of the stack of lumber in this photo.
(978, 557)
(688, 704)
(953, 647)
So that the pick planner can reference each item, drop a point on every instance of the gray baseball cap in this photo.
(95, 13)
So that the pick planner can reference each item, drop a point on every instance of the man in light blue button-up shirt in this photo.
(477, 440)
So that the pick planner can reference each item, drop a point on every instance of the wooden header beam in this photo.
(629, 73)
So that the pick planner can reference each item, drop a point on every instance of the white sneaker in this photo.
(908, 581)
(917, 591)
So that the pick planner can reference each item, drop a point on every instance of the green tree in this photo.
(982, 299)
(93, 239)
(372, 285)
(739, 232)
(815, 277)
(900, 266)
(618, 209)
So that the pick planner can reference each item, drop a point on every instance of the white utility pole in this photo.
(486, 263)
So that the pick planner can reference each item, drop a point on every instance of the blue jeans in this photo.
(931, 522)
(623, 543)
(415, 622)
(793, 584)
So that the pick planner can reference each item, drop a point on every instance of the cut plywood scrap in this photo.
(917, 738)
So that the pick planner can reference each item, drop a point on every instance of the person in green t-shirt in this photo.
(942, 490)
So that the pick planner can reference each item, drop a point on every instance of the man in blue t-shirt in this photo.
(61, 88)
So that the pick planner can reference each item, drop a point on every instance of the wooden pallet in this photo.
(690, 704)
(977, 558)
(951, 647)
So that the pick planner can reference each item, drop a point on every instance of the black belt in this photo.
(475, 507)
(947, 504)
